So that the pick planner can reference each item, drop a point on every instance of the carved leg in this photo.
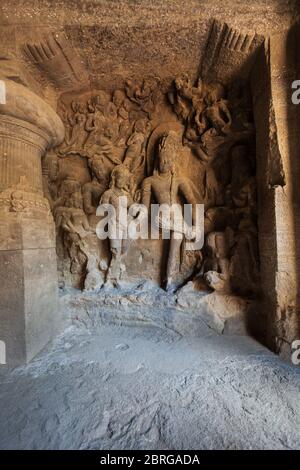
(114, 270)
(173, 265)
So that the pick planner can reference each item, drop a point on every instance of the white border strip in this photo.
(2, 92)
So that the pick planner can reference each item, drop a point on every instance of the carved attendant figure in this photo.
(135, 153)
(78, 134)
(218, 278)
(94, 125)
(120, 192)
(70, 217)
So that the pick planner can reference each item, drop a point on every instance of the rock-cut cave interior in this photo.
(112, 112)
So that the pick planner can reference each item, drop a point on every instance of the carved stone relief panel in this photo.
(189, 143)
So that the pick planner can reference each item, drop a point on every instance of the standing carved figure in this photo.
(78, 131)
(135, 153)
(120, 197)
(94, 125)
(218, 277)
(71, 219)
(166, 187)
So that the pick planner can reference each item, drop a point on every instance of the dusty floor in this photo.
(119, 387)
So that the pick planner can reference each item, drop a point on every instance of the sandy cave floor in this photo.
(120, 387)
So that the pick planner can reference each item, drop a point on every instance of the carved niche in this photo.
(188, 142)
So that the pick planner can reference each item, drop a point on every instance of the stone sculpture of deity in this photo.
(167, 187)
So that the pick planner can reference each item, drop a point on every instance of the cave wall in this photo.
(208, 84)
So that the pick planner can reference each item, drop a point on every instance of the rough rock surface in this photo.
(116, 387)
(144, 302)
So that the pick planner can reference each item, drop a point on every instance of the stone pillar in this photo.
(283, 73)
(277, 122)
(28, 274)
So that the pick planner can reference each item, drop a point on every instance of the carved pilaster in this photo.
(28, 278)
